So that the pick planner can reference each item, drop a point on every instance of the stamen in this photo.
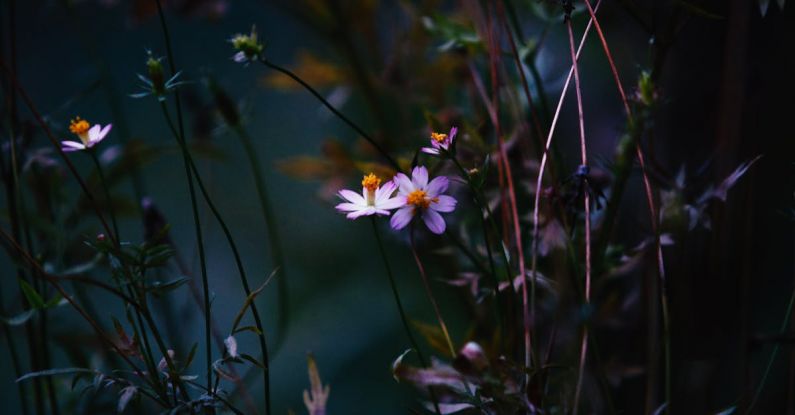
(371, 182)
(419, 199)
(438, 137)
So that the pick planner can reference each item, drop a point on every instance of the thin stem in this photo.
(196, 220)
(105, 188)
(514, 212)
(541, 169)
(773, 355)
(239, 263)
(428, 291)
(649, 199)
(274, 238)
(587, 202)
(336, 112)
(486, 241)
(401, 311)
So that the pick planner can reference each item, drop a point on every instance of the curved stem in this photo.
(401, 311)
(276, 250)
(587, 202)
(191, 167)
(428, 291)
(105, 188)
(336, 112)
(773, 356)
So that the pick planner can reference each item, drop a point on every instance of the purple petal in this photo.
(383, 192)
(352, 196)
(239, 57)
(363, 212)
(433, 221)
(70, 149)
(405, 186)
(437, 186)
(93, 133)
(451, 136)
(392, 203)
(402, 217)
(102, 133)
(445, 204)
(419, 176)
(428, 150)
(347, 207)
(73, 144)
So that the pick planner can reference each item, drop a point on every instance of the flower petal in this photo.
(102, 134)
(444, 204)
(73, 144)
(402, 217)
(453, 132)
(93, 133)
(385, 191)
(419, 176)
(353, 197)
(363, 212)
(405, 186)
(392, 203)
(348, 207)
(429, 150)
(437, 186)
(433, 221)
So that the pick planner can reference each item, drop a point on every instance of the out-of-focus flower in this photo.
(155, 82)
(247, 46)
(374, 200)
(422, 198)
(89, 135)
(440, 142)
(315, 399)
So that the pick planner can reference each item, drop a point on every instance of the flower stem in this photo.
(105, 189)
(773, 355)
(482, 212)
(402, 312)
(587, 206)
(336, 112)
(276, 249)
(191, 167)
(428, 291)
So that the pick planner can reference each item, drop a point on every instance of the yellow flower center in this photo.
(438, 137)
(370, 183)
(80, 128)
(420, 199)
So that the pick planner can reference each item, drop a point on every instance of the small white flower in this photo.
(89, 136)
(374, 200)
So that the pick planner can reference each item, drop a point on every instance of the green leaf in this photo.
(54, 372)
(252, 360)
(18, 319)
(248, 328)
(33, 297)
(160, 288)
(250, 299)
(191, 355)
(55, 301)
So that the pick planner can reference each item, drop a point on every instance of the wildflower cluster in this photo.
(416, 196)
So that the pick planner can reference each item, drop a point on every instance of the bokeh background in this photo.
(727, 83)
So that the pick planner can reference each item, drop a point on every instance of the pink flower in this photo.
(89, 136)
(440, 142)
(423, 198)
(374, 200)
